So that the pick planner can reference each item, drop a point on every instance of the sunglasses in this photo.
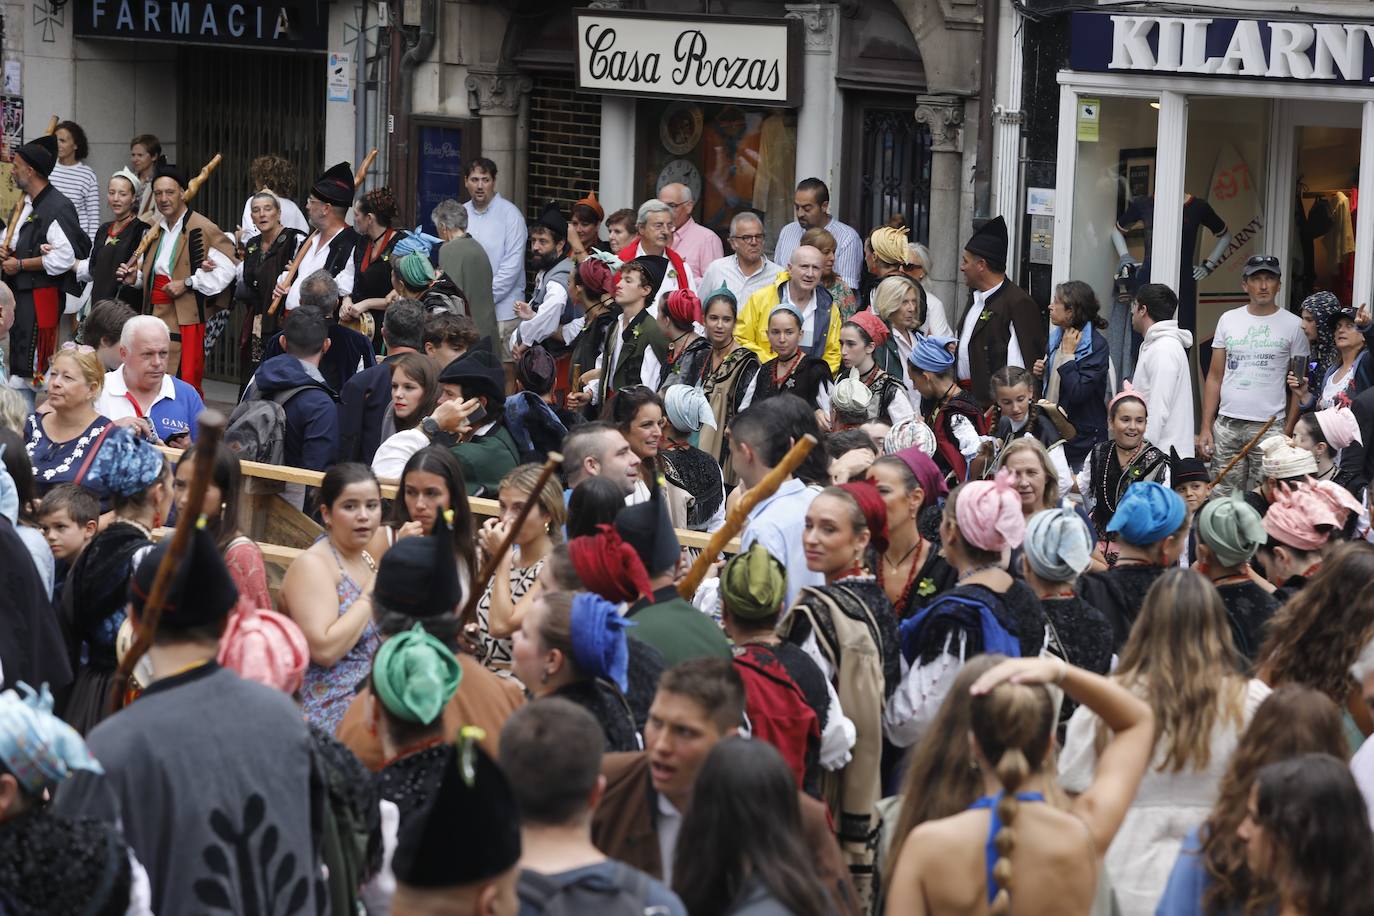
(79, 348)
(1262, 260)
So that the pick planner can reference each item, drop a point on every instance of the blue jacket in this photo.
(363, 401)
(312, 421)
(348, 351)
(1082, 390)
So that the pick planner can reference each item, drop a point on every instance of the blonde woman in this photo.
(901, 303)
(1180, 659)
(511, 591)
(62, 441)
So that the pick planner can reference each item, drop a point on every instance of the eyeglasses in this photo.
(753, 239)
(79, 348)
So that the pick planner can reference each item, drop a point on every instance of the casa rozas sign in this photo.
(1330, 52)
(717, 58)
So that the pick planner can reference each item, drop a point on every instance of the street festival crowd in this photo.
(1015, 635)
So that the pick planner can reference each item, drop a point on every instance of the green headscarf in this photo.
(415, 675)
(753, 583)
(1232, 529)
(416, 271)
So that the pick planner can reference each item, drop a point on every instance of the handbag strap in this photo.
(91, 453)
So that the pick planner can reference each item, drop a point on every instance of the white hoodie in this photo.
(1163, 377)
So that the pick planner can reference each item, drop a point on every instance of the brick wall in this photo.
(564, 143)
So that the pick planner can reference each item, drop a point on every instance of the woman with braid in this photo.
(1012, 842)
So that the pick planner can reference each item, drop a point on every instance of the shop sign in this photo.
(719, 58)
(1325, 52)
(286, 26)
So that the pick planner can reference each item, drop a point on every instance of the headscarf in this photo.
(608, 566)
(874, 510)
(1284, 459)
(876, 329)
(753, 583)
(931, 354)
(851, 396)
(1148, 513)
(134, 180)
(988, 513)
(1339, 426)
(591, 202)
(787, 307)
(597, 275)
(264, 646)
(683, 306)
(39, 749)
(926, 472)
(723, 293)
(1323, 305)
(1058, 544)
(687, 408)
(909, 433)
(1127, 391)
(1300, 518)
(598, 639)
(1343, 504)
(889, 244)
(1232, 529)
(415, 270)
(415, 675)
(125, 464)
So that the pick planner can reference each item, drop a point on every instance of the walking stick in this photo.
(737, 516)
(1240, 456)
(152, 234)
(489, 564)
(358, 178)
(212, 424)
(13, 226)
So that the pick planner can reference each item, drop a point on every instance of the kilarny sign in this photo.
(754, 61)
(1332, 52)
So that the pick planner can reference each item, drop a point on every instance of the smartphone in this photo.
(1297, 367)
(478, 417)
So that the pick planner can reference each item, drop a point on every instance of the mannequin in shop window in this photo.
(1197, 213)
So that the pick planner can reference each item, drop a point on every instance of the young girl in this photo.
(791, 370)
(1015, 414)
(1125, 458)
(414, 395)
(1324, 433)
(882, 397)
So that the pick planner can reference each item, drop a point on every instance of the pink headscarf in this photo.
(989, 513)
(1127, 391)
(1300, 518)
(1343, 504)
(266, 647)
(1339, 426)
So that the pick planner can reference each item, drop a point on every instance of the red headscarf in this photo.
(874, 509)
(608, 566)
(683, 306)
(596, 276)
(876, 329)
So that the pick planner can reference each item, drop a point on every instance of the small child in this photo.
(69, 516)
(1190, 480)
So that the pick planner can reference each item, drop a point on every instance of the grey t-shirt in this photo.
(1257, 352)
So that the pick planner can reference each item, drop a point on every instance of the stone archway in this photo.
(950, 36)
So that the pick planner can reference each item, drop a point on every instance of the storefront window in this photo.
(1322, 256)
(1114, 179)
(733, 158)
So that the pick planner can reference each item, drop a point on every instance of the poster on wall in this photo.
(440, 146)
(13, 126)
(1236, 199)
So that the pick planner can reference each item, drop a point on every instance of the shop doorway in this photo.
(889, 155)
(1326, 199)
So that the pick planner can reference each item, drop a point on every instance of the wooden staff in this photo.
(737, 516)
(212, 424)
(151, 235)
(551, 465)
(13, 227)
(358, 178)
(1240, 456)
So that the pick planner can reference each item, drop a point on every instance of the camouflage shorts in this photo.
(1229, 436)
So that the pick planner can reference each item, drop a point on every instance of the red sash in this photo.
(47, 307)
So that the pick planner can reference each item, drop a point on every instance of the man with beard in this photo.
(331, 247)
(812, 205)
(549, 318)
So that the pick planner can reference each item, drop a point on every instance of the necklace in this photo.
(977, 569)
(779, 381)
(898, 564)
(1110, 504)
(1231, 580)
(900, 604)
(1064, 594)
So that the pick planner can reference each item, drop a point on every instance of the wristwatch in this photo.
(435, 433)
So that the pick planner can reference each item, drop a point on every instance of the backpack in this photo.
(779, 714)
(996, 638)
(257, 427)
(624, 892)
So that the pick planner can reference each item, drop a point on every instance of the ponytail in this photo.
(1012, 771)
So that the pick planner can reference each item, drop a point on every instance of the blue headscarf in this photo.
(1148, 513)
(39, 749)
(931, 354)
(125, 465)
(598, 639)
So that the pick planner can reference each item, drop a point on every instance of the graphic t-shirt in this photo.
(1257, 352)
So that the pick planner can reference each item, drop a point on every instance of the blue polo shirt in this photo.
(173, 413)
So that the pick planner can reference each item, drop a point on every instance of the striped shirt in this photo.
(78, 184)
(849, 248)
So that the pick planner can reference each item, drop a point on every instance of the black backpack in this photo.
(257, 427)
(623, 892)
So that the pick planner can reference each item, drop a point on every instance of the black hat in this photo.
(649, 530)
(535, 370)
(479, 372)
(1261, 263)
(468, 833)
(1331, 318)
(1186, 470)
(989, 242)
(41, 153)
(551, 218)
(335, 186)
(165, 169)
(201, 591)
(656, 267)
(418, 576)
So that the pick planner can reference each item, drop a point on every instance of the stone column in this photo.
(944, 116)
(498, 103)
(816, 120)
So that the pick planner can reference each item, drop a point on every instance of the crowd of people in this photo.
(1016, 634)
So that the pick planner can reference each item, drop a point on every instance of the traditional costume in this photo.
(113, 246)
(171, 259)
(875, 395)
(807, 376)
(48, 219)
(1234, 532)
(729, 386)
(693, 475)
(211, 777)
(262, 263)
(956, 419)
(636, 349)
(1003, 326)
(335, 253)
(933, 576)
(601, 656)
(1109, 473)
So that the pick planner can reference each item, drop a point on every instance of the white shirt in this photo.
(671, 281)
(971, 317)
(727, 272)
(61, 257)
(316, 253)
(905, 342)
(112, 402)
(500, 230)
(545, 322)
(667, 825)
(205, 282)
(808, 331)
(649, 369)
(1258, 348)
